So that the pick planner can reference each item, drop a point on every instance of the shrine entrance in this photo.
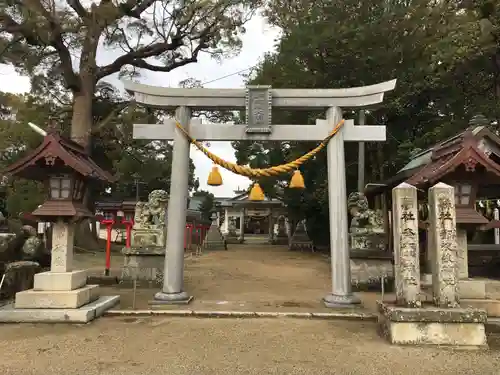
(258, 102)
(250, 218)
(257, 225)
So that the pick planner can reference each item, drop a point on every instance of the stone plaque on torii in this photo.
(258, 102)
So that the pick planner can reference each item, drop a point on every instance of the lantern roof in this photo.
(57, 150)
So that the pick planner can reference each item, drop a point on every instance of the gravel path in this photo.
(190, 346)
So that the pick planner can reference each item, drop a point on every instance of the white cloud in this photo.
(259, 39)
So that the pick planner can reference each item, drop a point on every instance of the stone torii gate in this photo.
(258, 102)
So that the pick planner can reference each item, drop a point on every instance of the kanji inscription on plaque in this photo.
(258, 109)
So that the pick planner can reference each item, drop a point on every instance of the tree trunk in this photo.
(81, 122)
(81, 133)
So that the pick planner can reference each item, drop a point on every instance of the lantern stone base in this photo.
(60, 280)
(458, 327)
(58, 297)
(143, 264)
(84, 314)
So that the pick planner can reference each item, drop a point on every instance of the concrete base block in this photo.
(432, 326)
(491, 306)
(91, 311)
(472, 288)
(493, 289)
(479, 289)
(63, 281)
(56, 299)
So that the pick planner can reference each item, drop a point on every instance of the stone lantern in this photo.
(61, 294)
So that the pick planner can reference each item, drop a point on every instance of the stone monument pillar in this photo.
(445, 323)
(406, 253)
(443, 241)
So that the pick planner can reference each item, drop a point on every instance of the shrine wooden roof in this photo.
(470, 148)
(53, 149)
(242, 199)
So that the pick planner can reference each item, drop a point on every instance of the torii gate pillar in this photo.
(258, 100)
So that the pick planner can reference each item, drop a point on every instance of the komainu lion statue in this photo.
(152, 212)
(363, 218)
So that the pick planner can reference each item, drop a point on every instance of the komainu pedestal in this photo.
(407, 320)
(144, 260)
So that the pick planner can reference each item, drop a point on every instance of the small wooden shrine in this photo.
(469, 161)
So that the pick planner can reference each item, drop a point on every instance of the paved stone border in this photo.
(345, 315)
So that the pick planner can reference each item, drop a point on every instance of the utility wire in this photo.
(228, 75)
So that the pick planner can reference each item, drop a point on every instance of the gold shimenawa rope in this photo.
(256, 172)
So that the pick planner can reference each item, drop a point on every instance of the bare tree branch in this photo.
(55, 39)
(78, 8)
(152, 50)
(111, 115)
(137, 8)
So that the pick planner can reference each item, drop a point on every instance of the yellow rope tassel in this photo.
(297, 181)
(256, 173)
(256, 194)
(214, 178)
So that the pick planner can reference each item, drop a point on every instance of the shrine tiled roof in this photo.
(472, 147)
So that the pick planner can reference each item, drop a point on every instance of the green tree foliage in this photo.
(207, 204)
(434, 50)
(114, 148)
(56, 43)
(16, 138)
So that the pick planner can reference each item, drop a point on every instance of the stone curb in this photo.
(245, 314)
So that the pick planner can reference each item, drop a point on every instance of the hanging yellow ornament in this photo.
(256, 194)
(297, 181)
(214, 178)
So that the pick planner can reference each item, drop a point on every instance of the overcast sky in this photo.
(259, 39)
